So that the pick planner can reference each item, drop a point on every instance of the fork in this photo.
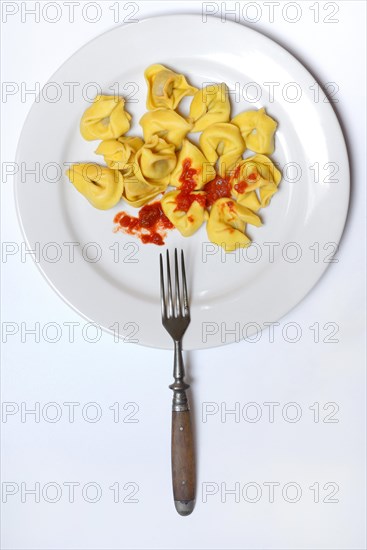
(176, 319)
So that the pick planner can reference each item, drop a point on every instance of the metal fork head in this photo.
(175, 304)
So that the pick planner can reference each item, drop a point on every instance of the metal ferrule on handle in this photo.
(179, 386)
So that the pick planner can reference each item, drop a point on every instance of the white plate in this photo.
(231, 295)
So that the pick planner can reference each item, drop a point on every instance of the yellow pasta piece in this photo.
(138, 192)
(186, 222)
(100, 185)
(250, 200)
(165, 87)
(165, 123)
(227, 224)
(119, 153)
(254, 181)
(209, 106)
(257, 129)
(106, 118)
(155, 160)
(153, 164)
(201, 170)
(222, 142)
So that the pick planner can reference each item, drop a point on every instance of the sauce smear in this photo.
(217, 189)
(187, 179)
(150, 226)
(242, 185)
(186, 197)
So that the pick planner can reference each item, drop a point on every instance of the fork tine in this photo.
(177, 288)
(169, 284)
(163, 295)
(185, 298)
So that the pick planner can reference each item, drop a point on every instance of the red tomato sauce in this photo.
(187, 178)
(217, 189)
(242, 185)
(186, 197)
(150, 226)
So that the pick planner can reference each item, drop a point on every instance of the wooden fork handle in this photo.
(183, 462)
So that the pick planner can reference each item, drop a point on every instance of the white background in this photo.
(229, 452)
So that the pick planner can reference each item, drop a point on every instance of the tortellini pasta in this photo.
(165, 123)
(165, 87)
(187, 222)
(100, 185)
(119, 153)
(199, 169)
(106, 118)
(227, 224)
(254, 174)
(208, 106)
(257, 129)
(138, 191)
(212, 183)
(154, 162)
(222, 142)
